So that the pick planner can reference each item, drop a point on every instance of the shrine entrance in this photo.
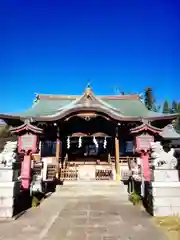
(87, 148)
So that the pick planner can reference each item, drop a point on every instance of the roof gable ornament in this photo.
(88, 89)
(89, 99)
(27, 126)
(88, 95)
(146, 126)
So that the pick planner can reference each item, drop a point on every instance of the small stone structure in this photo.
(165, 187)
(9, 180)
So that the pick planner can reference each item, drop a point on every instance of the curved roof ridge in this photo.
(73, 97)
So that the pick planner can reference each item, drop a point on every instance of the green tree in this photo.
(166, 108)
(178, 107)
(156, 108)
(178, 119)
(4, 132)
(148, 98)
(174, 108)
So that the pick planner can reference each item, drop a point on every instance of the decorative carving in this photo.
(79, 134)
(87, 114)
(87, 118)
(99, 134)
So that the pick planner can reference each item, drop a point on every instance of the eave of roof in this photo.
(67, 104)
(169, 132)
(163, 117)
(146, 127)
(65, 112)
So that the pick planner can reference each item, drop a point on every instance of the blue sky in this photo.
(59, 46)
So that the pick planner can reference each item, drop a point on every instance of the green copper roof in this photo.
(134, 108)
(44, 107)
(55, 107)
(127, 107)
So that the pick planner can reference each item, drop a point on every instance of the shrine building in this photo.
(89, 133)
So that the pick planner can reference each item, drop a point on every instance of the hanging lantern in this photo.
(95, 142)
(80, 142)
(68, 142)
(105, 143)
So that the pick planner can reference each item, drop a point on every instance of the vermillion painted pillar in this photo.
(57, 152)
(117, 155)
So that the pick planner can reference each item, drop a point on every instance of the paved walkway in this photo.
(83, 212)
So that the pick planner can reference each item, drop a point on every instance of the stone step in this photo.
(93, 188)
(94, 183)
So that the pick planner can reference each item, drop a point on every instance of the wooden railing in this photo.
(103, 174)
(69, 173)
(51, 172)
(72, 173)
(123, 160)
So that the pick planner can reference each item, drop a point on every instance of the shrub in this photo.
(135, 198)
(35, 202)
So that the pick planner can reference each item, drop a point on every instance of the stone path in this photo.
(86, 211)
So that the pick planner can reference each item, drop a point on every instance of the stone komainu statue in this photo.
(161, 158)
(9, 154)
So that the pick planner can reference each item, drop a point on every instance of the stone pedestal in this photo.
(9, 189)
(164, 175)
(165, 193)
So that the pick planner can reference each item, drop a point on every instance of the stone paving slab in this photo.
(67, 215)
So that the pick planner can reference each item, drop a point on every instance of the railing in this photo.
(69, 173)
(102, 171)
(72, 173)
(51, 172)
(124, 160)
(37, 169)
(103, 174)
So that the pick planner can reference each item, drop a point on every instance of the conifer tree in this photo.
(148, 98)
(174, 108)
(178, 120)
(166, 108)
(178, 107)
(4, 132)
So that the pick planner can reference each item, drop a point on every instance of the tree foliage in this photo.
(174, 108)
(150, 101)
(148, 98)
(4, 132)
(178, 107)
(166, 108)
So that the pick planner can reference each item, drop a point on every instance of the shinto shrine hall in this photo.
(87, 132)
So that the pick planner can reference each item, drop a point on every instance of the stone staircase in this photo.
(105, 189)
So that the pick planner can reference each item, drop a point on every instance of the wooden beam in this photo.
(117, 155)
(57, 152)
